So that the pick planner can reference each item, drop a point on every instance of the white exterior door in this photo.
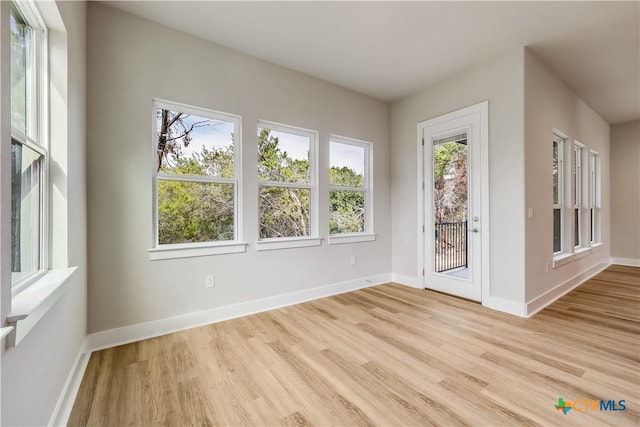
(454, 205)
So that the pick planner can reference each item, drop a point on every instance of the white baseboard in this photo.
(542, 301)
(127, 334)
(411, 281)
(62, 410)
(630, 262)
(504, 305)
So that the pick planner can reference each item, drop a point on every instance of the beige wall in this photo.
(549, 105)
(34, 373)
(131, 61)
(501, 83)
(625, 191)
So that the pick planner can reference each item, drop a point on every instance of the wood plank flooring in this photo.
(387, 355)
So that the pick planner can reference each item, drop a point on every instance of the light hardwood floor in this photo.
(387, 355)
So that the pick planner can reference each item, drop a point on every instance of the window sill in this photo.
(196, 249)
(30, 305)
(338, 239)
(581, 253)
(562, 259)
(287, 243)
(5, 331)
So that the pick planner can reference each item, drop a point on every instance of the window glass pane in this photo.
(557, 245)
(190, 212)
(347, 164)
(20, 45)
(283, 157)
(556, 165)
(576, 231)
(347, 211)
(284, 212)
(591, 224)
(26, 196)
(194, 145)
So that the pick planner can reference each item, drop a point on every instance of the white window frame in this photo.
(32, 299)
(368, 234)
(559, 139)
(313, 238)
(37, 108)
(186, 250)
(595, 198)
(577, 189)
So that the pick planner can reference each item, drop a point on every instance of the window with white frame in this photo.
(286, 181)
(594, 197)
(29, 151)
(577, 187)
(349, 186)
(196, 171)
(558, 193)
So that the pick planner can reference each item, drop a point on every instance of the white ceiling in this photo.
(390, 49)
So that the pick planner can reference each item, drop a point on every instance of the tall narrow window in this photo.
(196, 171)
(286, 181)
(558, 185)
(577, 195)
(29, 154)
(349, 186)
(594, 197)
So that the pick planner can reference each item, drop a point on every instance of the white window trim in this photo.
(585, 191)
(368, 234)
(342, 238)
(187, 250)
(578, 188)
(313, 239)
(39, 129)
(287, 243)
(30, 305)
(31, 299)
(595, 196)
(195, 250)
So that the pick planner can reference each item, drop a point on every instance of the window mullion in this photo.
(345, 188)
(195, 178)
(285, 185)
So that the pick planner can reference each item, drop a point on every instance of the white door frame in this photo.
(481, 109)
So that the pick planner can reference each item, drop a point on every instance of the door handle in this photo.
(475, 230)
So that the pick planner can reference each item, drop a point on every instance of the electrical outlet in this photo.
(210, 282)
(353, 260)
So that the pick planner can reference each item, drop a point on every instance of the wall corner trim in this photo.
(67, 398)
(411, 281)
(540, 302)
(504, 305)
(629, 262)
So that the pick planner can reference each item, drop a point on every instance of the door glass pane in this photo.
(450, 199)
(26, 199)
